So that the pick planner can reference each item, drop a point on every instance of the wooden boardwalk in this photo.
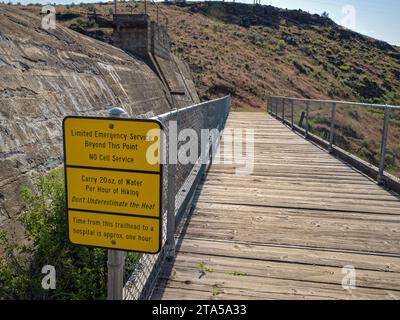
(287, 230)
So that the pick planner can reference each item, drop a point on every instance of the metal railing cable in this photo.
(382, 106)
(180, 181)
(339, 126)
(158, 12)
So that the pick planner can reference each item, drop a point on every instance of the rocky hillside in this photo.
(255, 51)
(252, 52)
(46, 75)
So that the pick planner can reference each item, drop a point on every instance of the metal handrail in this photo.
(213, 115)
(157, 12)
(338, 101)
(387, 108)
(188, 108)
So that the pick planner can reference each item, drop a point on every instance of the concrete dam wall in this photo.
(46, 75)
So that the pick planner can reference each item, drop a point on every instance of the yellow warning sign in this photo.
(114, 191)
(113, 182)
(118, 232)
(121, 144)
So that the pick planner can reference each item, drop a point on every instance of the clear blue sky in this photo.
(379, 19)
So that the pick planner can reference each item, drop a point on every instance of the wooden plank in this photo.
(221, 178)
(306, 202)
(220, 209)
(221, 284)
(238, 267)
(291, 254)
(212, 188)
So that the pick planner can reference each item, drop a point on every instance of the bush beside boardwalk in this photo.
(81, 273)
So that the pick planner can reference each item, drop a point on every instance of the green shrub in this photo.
(252, 38)
(325, 15)
(390, 159)
(259, 43)
(257, 40)
(80, 271)
(83, 24)
(269, 48)
(90, 8)
(217, 27)
(281, 45)
(344, 68)
(300, 67)
(238, 34)
(309, 51)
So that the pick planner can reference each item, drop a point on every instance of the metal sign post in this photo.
(292, 115)
(113, 179)
(380, 178)
(307, 121)
(115, 274)
(332, 130)
(115, 258)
